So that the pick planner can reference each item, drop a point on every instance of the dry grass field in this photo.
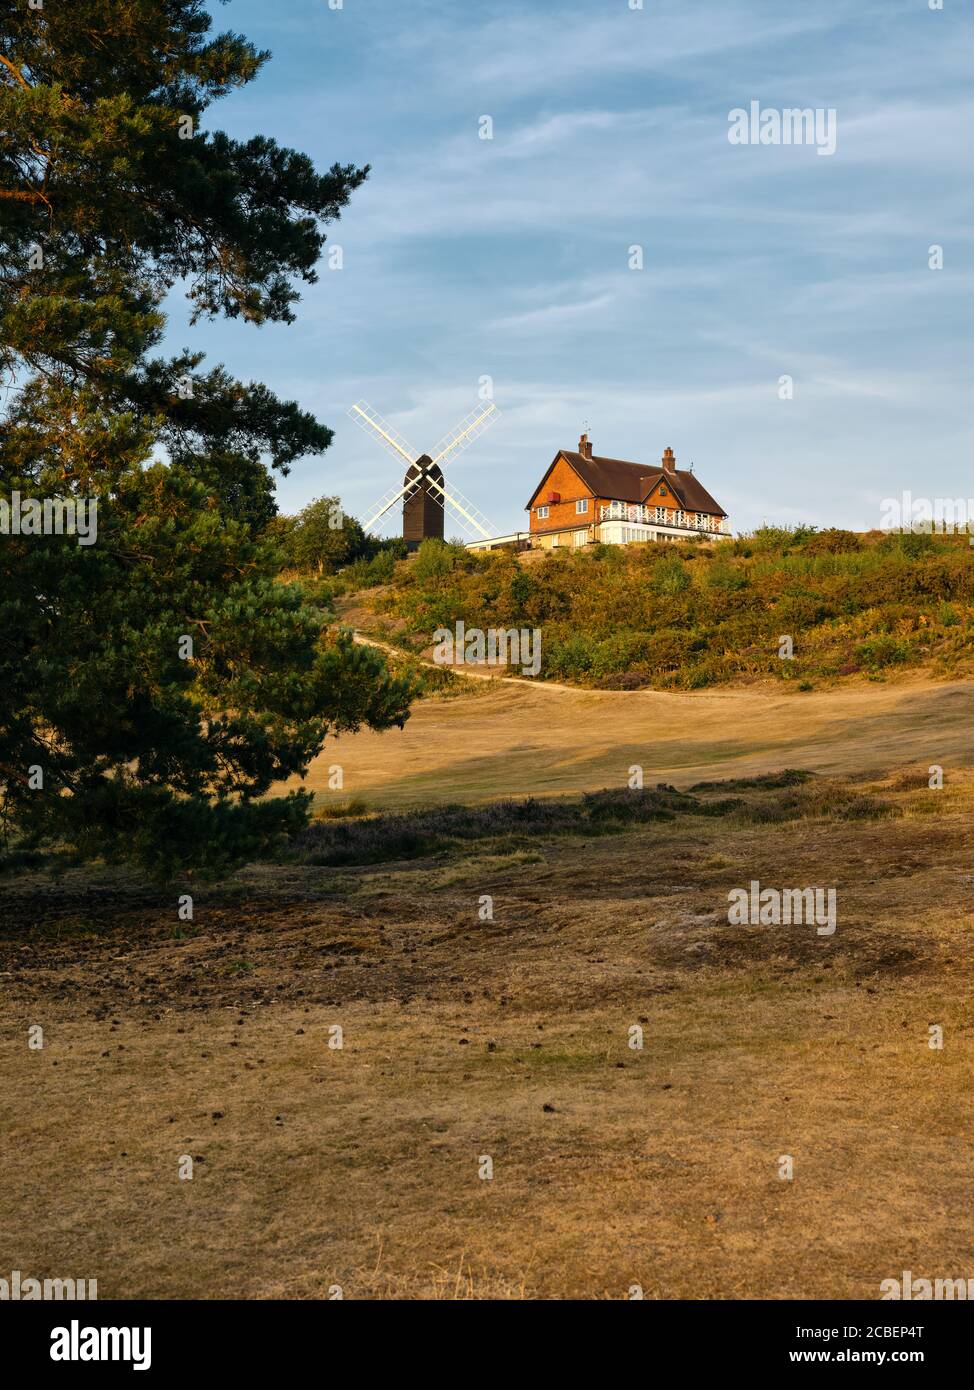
(518, 738)
(358, 1167)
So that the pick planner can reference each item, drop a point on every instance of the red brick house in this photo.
(584, 497)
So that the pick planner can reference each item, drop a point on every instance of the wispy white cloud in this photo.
(508, 258)
(519, 53)
(553, 316)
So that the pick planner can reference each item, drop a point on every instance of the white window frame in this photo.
(542, 513)
(581, 506)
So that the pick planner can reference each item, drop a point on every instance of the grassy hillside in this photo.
(698, 614)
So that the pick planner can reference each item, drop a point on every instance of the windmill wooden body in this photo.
(424, 494)
(422, 508)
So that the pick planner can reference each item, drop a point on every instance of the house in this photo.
(584, 497)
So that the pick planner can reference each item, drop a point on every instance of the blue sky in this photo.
(509, 258)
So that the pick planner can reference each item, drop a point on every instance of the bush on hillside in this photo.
(694, 616)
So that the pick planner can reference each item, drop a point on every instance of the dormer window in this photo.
(663, 492)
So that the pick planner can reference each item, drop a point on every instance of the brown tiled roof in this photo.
(620, 481)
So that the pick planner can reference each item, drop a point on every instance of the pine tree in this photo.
(155, 684)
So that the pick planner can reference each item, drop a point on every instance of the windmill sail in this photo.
(471, 521)
(425, 475)
(373, 424)
(392, 441)
(390, 499)
(465, 433)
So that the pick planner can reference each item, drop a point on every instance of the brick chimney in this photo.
(585, 447)
(669, 461)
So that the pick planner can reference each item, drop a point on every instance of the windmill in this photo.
(423, 493)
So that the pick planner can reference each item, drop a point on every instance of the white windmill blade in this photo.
(389, 500)
(465, 433)
(372, 422)
(470, 519)
(392, 441)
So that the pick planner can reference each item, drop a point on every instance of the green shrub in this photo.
(366, 574)
(725, 577)
(833, 542)
(671, 576)
(433, 560)
(883, 650)
(677, 617)
(912, 544)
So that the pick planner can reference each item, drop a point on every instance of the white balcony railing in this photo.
(661, 516)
